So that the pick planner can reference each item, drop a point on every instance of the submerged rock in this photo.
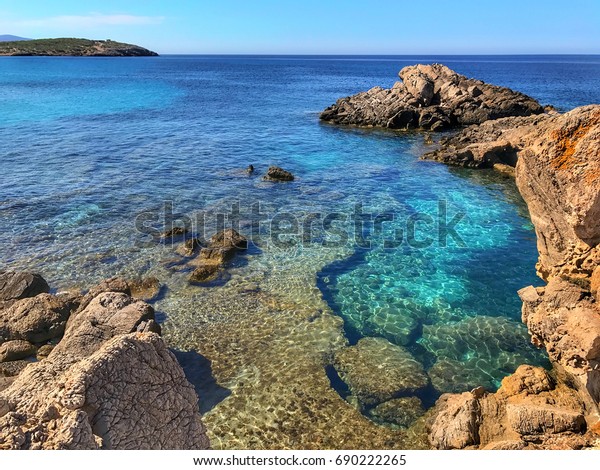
(222, 247)
(274, 173)
(430, 97)
(476, 351)
(376, 371)
(400, 411)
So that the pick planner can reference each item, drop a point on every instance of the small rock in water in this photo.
(205, 273)
(174, 232)
(250, 169)
(400, 411)
(274, 173)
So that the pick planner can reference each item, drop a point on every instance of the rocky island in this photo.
(72, 47)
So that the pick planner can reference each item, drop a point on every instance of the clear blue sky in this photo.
(318, 26)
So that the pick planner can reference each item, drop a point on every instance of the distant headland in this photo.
(72, 47)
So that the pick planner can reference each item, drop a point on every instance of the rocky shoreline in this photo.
(556, 161)
(89, 371)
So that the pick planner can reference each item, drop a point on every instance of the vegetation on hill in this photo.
(72, 47)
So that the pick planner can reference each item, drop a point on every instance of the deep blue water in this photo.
(90, 143)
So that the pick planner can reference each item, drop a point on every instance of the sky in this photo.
(396, 27)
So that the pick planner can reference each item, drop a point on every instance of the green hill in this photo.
(72, 47)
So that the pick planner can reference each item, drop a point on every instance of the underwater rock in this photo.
(222, 247)
(430, 97)
(399, 411)
(145, 289)
(189, 247)
(20, 285)
(396, 325)
(274, 173)
(376, 371)
(476, 351)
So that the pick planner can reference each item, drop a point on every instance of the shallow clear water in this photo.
(88, 144)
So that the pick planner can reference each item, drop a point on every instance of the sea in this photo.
(100, 155)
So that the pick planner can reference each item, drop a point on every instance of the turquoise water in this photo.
(89, 144)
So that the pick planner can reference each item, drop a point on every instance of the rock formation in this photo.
(110, 383)
(274, 173)
(558, 174)
(430, 97)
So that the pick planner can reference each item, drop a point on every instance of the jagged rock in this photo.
(528, 420)
(144, 289)
(35, 319)
(529, 410)
(430, 97)
(558, 175)
(15, 350)
(595, 283)
(377, 371)
(107, 315)
(457, 422)
(129, 394)
(110, 383)
(274, 173)
(400, 411)
(529, 380)
(174, 233)
(20, 285)
(189, 248)
(564, 321)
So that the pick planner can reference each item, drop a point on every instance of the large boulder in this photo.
(110, 383)
(35, 319)
(20, 285)
(430, 97)
(377, 371)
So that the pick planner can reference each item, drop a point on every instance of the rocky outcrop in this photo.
(36, 319)
(274, 173)
(557, 160)
(531, 410)
(20, 285)
(110, 383)
(430, 97)
(558, 173)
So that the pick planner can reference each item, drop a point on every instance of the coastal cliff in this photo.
(558, 174)
(72, 47)
(430, 97)
(89, 371)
